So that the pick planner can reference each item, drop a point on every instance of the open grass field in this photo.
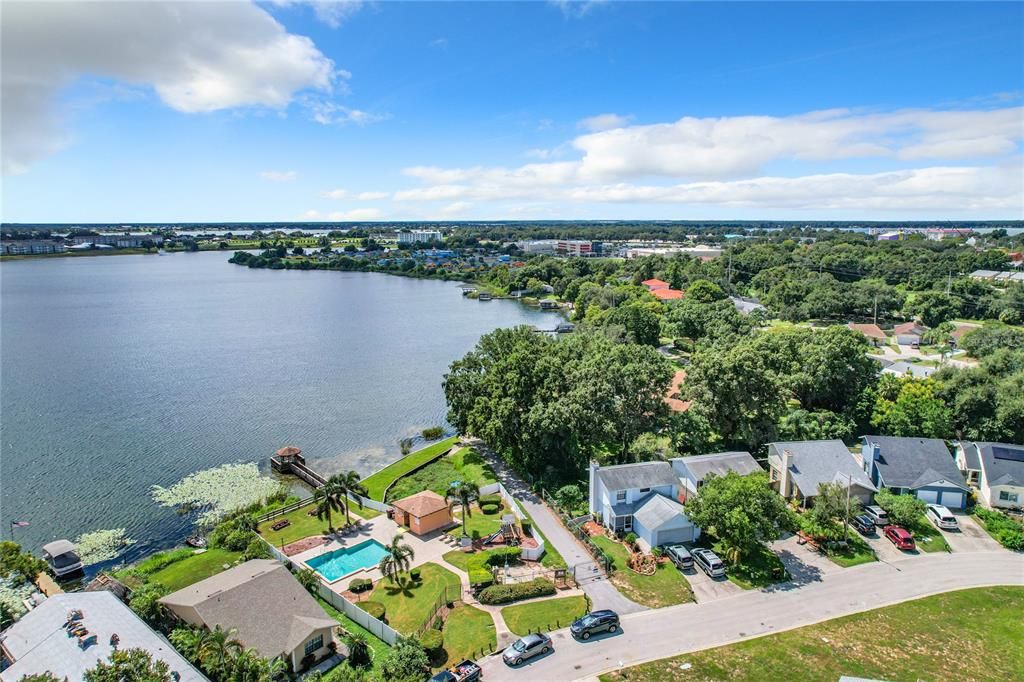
(468, 633)
(541, 616)
(407, 605)
(478, 523)
(666, 587)
(304, 525)
(193, 569)
(378, 482)
(463, 465)
(967, 635)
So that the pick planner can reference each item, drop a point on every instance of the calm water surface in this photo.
(121, 372)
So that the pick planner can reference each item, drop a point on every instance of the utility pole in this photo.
(875, 319)
(846, 521)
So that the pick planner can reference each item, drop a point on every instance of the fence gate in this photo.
(587, 572)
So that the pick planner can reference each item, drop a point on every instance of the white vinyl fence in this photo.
(533, 553)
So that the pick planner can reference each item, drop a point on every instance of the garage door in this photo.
(928, 496)
(952, 500)
(673, 536)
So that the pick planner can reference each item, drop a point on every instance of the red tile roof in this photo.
(872, 331)
(666, 294)
(653, 284)
(907, 328)
(671, 399)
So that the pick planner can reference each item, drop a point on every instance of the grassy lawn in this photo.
(304, 525)
(378, 482)
(478, 524)
(378, 646)
(755, 570)
(408, 605)
(856, 552)
(927, 537)
(464, 465)
(541, 616)
(911, 641)
(666, 587)
(468, 633)
(193, 569)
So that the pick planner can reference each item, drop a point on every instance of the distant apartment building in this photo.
(121, 241)
(702, 252)
(537, 246)
(414, 236)
(577, 247)
(26, 247)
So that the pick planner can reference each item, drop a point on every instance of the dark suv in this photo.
(593, 623)
(863, 524)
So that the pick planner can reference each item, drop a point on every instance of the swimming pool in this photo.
(341, 562)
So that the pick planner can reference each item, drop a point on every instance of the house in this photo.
(996, 470)
(909, 328)
(265, 605)
(641, 498)
(797, 468)
(653, 284)
(963, 329)
(423, 512)
(922, 467)
(872, 332)
(984, 274)
(40, 643)
(746, 305)
(902, 368)
(693, 471)
(666, 294)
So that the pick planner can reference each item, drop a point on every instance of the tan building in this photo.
(423, 512)
(265, 605)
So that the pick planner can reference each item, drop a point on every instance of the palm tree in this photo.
(328, 498)
(358, 650)
(463, 493)
(398, 559)
(308, 578)
(348, 484)
(188, 641)
(218, 651)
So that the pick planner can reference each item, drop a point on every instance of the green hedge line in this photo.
(1005, 530)
(503, 594)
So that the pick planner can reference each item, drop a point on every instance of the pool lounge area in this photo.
(343, 562)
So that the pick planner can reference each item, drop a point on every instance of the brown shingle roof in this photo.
(421, 504)
(288, 451)
(872, 331)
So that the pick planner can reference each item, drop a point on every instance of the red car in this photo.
(900, 537)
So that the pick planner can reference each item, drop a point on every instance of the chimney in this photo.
(592, 473)
(787, 461)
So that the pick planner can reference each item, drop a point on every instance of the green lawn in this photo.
(541, 616)
(477, 523)
(463, 465)
(193, 569)
(378, 482)
(407, 605)
(927, 537)
(967, 635)
(468, 633)
(856, 552)
(755, 570)
(666, 587)
(378, 646)
(304, 525)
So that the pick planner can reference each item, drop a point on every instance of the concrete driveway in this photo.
(971, 537)
(707, 589)
(803, 563)
(885, 550)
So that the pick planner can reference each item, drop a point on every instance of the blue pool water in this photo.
(341, 562)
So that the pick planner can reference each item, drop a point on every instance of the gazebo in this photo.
(285, 457)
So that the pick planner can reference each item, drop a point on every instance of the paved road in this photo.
(655, 634)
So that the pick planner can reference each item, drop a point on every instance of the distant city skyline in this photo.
(351, 111)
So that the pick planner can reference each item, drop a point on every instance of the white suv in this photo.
(941, 517)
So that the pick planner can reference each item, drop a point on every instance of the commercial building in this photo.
(415, 236)
(702, 252)
(25, 247)
(577, 247)
(121, 241)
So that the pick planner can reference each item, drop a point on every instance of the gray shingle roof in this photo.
(719, 463)
(657, 511)
(643, 475)
(270, 610)
(819, 461)
(971, 455)
(914, 462)
(998, 469)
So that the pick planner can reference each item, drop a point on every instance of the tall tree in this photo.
(129, 665)
(911, 408)
(218, 651)
(329, 499)
(463, 494)
(397, 560)
(348, 485)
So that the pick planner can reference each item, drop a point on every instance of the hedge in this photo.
(432, 640)
(1005, 530)
(489, 499)
(374, 608)
(480, 577)
(503, 594)
(490, 508)
(360, 584)
(414, 574)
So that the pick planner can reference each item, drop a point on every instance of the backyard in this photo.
(666, 587)
(378, 646)
(463, 465)
(478, 524)
(178, 568)
(967, 635)
(302, 524)
(407, 605)
(378, 482)
(541, 616)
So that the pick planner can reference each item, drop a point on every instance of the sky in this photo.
(147, 111)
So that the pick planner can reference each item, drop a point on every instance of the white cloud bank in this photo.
(279, 176)
(197, 57)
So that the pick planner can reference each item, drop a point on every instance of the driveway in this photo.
(707, 589)
(885, 550)
(655, 634)
(971, 537)
(803, 563)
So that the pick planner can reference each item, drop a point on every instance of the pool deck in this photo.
(426, 549)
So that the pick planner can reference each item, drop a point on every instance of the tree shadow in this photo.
(800, 573)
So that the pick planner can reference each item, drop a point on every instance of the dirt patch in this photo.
(299, 546)
(593, 528)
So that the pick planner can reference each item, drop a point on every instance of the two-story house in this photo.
(797, 469)
(643, 499)
(693, 471)
(922, 467)
(996, 470)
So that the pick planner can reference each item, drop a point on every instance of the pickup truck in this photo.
(467, 671)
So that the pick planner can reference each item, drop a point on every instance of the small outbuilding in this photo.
(423, 512)
(662, 521)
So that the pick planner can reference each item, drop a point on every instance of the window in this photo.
(314, 644)
(1005, 496)
(620, 496)
(628, 525)
(645, 490)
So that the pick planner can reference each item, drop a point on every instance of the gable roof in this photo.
(642, 475)
(914, 462)
(421, 504)
(655, 283)
(1003, 463)
(909, 328)
(971, 457)
(719, 464)
(659, 512)
(270, 611)
(666, 294)
(819, 461)
(872, 331)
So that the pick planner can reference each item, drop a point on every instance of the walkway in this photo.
(660, 633)
(602, 593)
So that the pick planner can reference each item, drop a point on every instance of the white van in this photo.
(941, 517)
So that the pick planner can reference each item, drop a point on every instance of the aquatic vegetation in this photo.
(13, 591)
(101, 545)
(218, 491)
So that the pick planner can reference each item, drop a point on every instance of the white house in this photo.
(643, 499)
(693, 471)
(996, 470)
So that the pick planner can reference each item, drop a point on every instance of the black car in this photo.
(593, 623)
(864, 524)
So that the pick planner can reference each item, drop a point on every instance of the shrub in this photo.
(490, 499)
(433, 433)
(432, 640)
(237, 540)
(527, 527)
(480, 578)
(374, 608)
(1005, 530)
(631, 539)
(256, 549)
(360, 585)
(503, 594)
(490, 507)
(415, 575)
(656, 551)
(503, 555)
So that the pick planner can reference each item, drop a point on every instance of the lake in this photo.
(121, 372)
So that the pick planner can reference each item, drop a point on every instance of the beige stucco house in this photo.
(423, 512)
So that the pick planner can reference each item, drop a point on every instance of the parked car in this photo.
(467, 671)
(878, 515)
(593, 623)
(525, 648)
(863, 524)
(709, 562)
(680, 556)
(900, 537)
(941, 517)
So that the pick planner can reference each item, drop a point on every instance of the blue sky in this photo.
(133, 112)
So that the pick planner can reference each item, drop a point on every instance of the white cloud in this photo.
(371, 196)
(326, 112)
(439, 43)
(359, 196)
(279, 176)
(354, 214)
(334, 194)
(604, 122)
(576, 9)
(331, 12)
(197, 57)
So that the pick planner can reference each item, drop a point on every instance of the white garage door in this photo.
(928, 496)
(952, 500)
(673, 536)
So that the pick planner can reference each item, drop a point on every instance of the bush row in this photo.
(503, 594)
(1005, 530)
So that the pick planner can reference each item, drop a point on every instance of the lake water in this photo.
(120, 372)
